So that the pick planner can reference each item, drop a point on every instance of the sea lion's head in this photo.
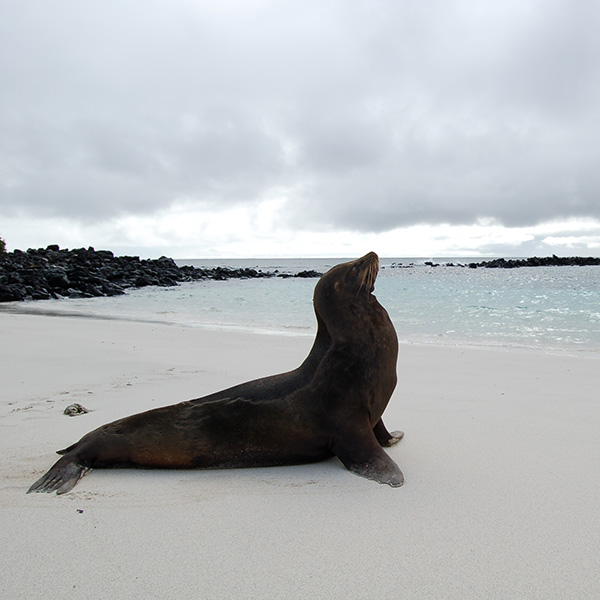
(344, 295)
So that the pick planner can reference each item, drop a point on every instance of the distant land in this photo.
(514, 263)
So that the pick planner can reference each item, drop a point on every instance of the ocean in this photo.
(550, 308)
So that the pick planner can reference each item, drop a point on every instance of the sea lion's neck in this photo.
(319, 348)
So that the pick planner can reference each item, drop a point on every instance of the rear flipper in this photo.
(363, 455)
(61, 478)
(384, 437)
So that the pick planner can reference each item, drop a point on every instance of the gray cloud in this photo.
(370, 114)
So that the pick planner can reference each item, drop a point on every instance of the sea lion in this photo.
(330, 405)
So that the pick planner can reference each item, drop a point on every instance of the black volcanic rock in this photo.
(11, 292)
(548, 261)
(83, 273)
(307, 274)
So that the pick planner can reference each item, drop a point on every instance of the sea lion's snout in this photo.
(368, 267)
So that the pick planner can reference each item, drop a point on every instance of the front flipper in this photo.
(384, 437)
(362, 454)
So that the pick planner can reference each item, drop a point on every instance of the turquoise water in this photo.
(543, 307)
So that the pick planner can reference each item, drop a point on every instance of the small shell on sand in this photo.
(73, 410)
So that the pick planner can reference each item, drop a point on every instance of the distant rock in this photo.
(548, 261)
(307, 274)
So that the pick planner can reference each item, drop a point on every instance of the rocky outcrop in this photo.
(548, 261)
(84, 273)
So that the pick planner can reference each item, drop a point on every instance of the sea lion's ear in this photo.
(337, 286)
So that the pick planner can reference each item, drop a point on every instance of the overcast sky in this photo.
(301, 128)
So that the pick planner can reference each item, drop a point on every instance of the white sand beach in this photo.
(500, 454)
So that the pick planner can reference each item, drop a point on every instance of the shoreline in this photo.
(566, 350)
(499, 454)
(548, 308)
